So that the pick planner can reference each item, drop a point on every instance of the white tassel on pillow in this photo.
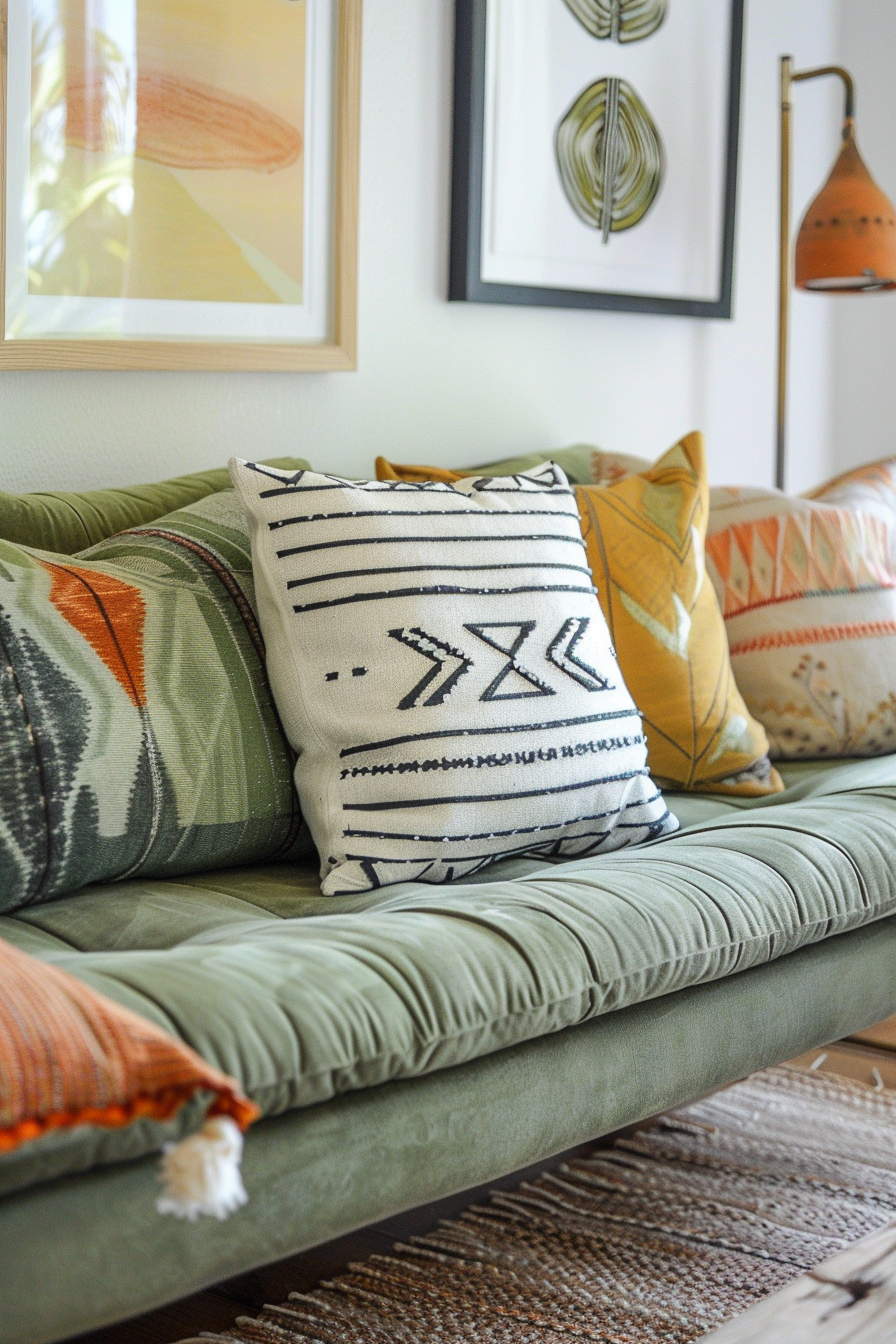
(201, 1174)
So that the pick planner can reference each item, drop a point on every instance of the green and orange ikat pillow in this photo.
(138, 736)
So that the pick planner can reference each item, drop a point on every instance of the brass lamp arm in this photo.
(791, 76)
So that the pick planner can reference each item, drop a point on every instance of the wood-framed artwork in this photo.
(595, 153)
(179, 184)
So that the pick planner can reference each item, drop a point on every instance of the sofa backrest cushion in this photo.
(67, 521)
(138, 735)
(581, 464)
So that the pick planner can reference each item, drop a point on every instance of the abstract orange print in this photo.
(184, 124)
(167, 157)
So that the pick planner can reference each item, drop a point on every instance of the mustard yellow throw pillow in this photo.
(645, 538)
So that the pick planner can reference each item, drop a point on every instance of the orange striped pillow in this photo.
(69, 1056)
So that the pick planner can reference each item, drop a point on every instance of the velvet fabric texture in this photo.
(66, 521)
(104, 1254)
(303, 997)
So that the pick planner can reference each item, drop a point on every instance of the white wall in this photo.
(455, 382)
(864, 370)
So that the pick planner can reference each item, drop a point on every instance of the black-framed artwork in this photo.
(595, 153)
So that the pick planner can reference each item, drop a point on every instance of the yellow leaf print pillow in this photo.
(645, 538)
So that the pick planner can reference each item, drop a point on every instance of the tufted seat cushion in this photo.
(303, 997)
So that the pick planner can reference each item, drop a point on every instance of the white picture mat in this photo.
(539, 58)
(30, 316)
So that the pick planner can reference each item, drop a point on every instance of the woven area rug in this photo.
(660, 1238)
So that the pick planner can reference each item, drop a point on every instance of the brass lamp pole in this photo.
(847, 241)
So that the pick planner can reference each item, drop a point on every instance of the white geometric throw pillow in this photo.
(443, 669)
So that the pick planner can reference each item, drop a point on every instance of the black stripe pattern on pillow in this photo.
(443, 669)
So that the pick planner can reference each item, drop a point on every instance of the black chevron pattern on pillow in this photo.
(445, 673)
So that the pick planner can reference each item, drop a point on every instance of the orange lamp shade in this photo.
(847, 240)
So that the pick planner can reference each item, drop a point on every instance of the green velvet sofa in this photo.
(409, 1043)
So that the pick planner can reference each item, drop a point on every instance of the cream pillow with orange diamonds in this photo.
(808, 592)
(870, 488)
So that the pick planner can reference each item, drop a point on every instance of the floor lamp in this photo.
(846, 243)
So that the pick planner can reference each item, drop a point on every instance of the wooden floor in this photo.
(869, 1058)
(849, 1299)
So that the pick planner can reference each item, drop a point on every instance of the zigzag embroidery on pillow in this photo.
(491, 619)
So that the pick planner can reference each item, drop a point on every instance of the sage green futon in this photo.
(418, 1040)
